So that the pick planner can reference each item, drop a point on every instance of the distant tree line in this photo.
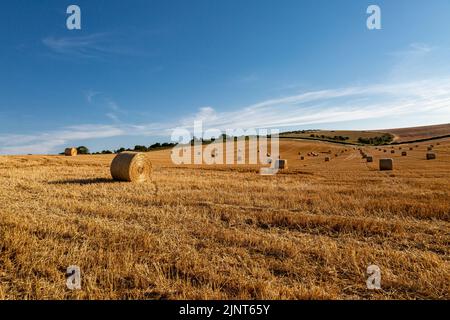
(301, 131)
(223, 137)
(379, 140)
(336, 138)
(137, 148)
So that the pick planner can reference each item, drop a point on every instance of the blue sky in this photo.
(138, 69)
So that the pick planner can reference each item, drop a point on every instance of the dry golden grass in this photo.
(222, 232)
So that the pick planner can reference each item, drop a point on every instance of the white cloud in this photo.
(90, 95)
(96, 45)
(81, 46)
(335, 105)
(428, 98)
(106, 102)
(47, 142)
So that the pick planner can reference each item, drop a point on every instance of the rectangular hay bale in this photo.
(431, 156)
(280, 164)
(386, 164)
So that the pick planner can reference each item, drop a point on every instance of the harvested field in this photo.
(226, 232)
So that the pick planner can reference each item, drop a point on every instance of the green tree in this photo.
(82, 150)
(140, 148)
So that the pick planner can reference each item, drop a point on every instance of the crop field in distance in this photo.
(225, 231)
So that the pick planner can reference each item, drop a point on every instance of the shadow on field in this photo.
(84, 181)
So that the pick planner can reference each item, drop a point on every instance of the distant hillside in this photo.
(342, 136)
(375, 137)
(419, 133)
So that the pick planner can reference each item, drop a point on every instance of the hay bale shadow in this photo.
(84, 181)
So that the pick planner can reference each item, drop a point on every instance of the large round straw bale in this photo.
(384, 151)
(386, 164)
(369, 159)
(430, 148)
(327, 159)
(70, 152)
(302, 158)
(404, 154)
(392, 151)
(131, 166)
(410, 149)
(431, 156)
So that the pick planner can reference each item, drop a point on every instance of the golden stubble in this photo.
(225, 232)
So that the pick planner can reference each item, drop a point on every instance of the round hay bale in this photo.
(410, 149)
(431, 156)
(131, 167)
(369, 159)
(386, 164)
(404, 154)
(384, 151)
(70, 152)
(430, 148)
(327, 159)
(302, 158)
(392, 151)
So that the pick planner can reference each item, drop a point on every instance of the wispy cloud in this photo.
(113, 117)
(99, 99)
(82, 46)
(417, 98)
(90, 95)
(336, 105)
(415, 49)
(47, 142)
(418, 60)
(96, 45)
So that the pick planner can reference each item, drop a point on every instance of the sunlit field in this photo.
(226, 232)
